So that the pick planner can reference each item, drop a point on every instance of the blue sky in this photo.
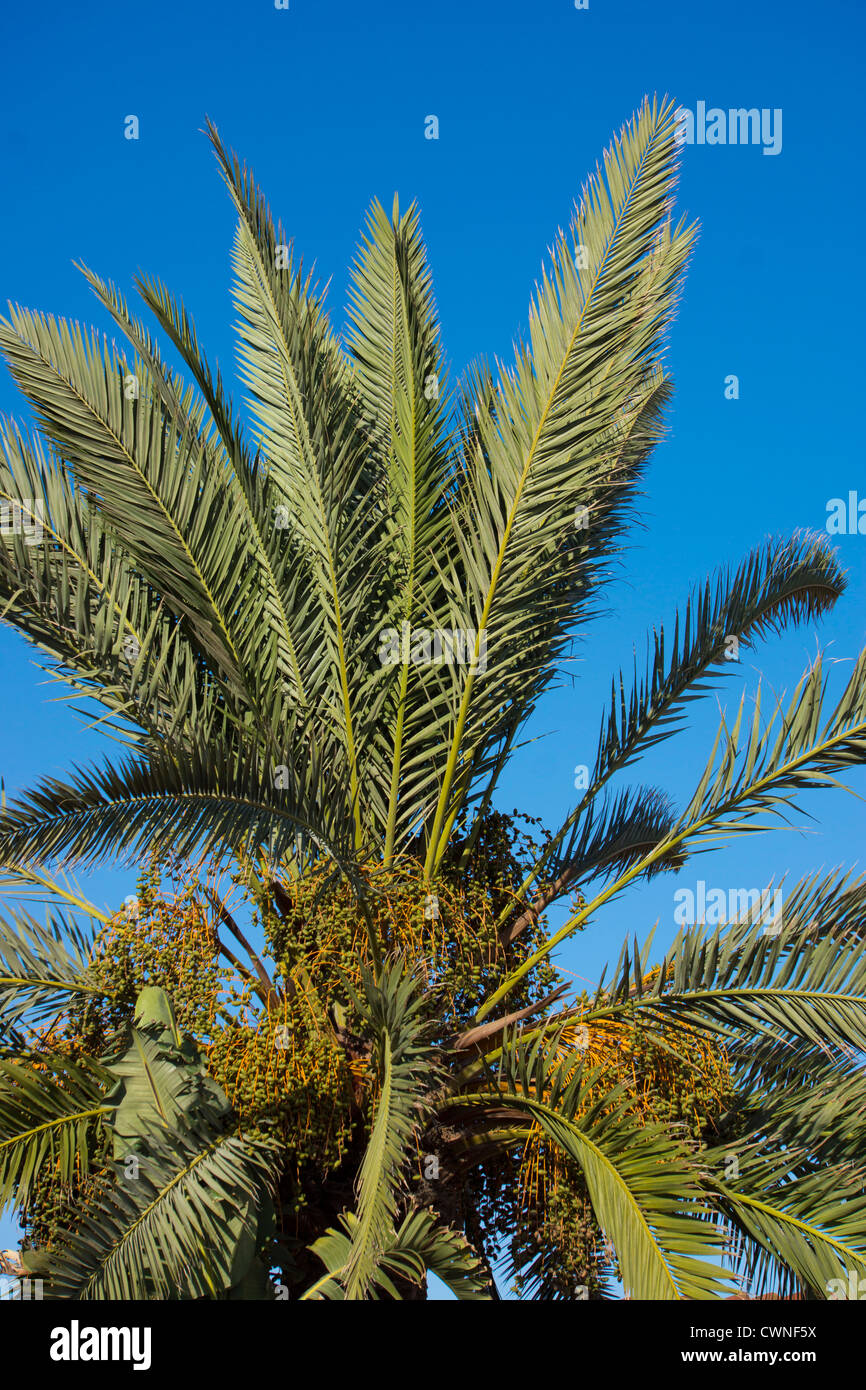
(328, 102)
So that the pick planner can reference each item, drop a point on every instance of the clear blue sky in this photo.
(328, 101)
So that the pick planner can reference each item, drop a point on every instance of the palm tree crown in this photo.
(321, 635)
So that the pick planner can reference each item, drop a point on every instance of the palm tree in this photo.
(321, 638)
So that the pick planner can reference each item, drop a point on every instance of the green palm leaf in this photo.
(216, 795)
(745, 775)
(420, 1244)
(48, 1109)
(785, 986)
(783, 582)
(394, 340)
(41, 966)
(807, 1226)
(310, 432)
(561, 416)
(150, 479)
(181, 1228)
(78, 598)
(643, 1185)
(392, 1009)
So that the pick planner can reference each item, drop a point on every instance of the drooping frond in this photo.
(421, 1243)
(48, 1106)
(393, 1010)
(643, 1184)
(805, 1230)
(182, 1229)
(216, 796)
(41, 966)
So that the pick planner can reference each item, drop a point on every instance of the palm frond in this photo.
(214, 796)
(759, 771)
(393, 1010)
(309, 429)
(421, 1244)
(394, 341)
(79, 599)
(556, 432)
(783, 582)
(256, 499)
(183, 1227)
(801, 981)
(643, 1184)
(148, 477)
(41, 966)
(157, 1082)
(804, 1230)
(49, 1106)
(606, 842)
